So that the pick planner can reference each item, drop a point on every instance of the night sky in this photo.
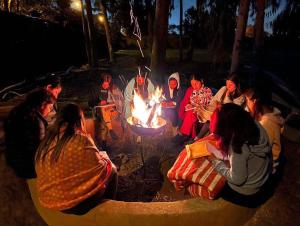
(175, 13)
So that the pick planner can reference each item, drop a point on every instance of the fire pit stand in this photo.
(145, 137)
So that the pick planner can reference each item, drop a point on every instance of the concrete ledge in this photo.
(192, 212)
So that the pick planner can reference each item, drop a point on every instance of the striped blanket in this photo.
(197, 176)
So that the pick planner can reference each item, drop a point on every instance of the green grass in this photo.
(200, 55)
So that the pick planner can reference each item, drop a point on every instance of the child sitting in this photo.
(173, 95)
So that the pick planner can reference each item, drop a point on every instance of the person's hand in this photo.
(188, 107)
(103, 102)
(164, 104)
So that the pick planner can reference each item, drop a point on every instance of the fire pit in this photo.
(147, 131)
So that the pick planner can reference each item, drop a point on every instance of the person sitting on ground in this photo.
(250, 157)
(53, 85)
(173, 95)
(72, 174)
(24, 129)
(231, 93)
(141, 86)
(260, 107)
(107, 103)
(196, 95)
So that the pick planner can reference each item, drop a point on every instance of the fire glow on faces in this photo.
(230, 85)
(196, 84)
(140, 80)
(173, 84)
(105, 85)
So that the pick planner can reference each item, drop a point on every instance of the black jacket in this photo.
(24, 129)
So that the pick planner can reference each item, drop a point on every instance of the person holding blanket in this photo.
(73, 176)
(203, 167)
(246, 144)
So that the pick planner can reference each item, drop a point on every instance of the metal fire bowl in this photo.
(143, 131)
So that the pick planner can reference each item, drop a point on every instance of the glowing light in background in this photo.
(76, 5)
(101, 18)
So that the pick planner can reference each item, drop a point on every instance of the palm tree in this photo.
(159, 36)
(239, 34)
(107, 31)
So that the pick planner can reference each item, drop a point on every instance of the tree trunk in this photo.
(5, 5)
(18, 6)
(149, 11)
(160, 37)
(180, 31)
(239, 34)
(92, 33)
(107, 32)
(86, 35)
(259, 25)
(190, 51)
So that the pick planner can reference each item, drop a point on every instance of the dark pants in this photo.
(250, 201)
(171, 114)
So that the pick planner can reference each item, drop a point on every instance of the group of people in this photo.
(74, 172)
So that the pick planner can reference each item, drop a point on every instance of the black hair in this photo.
(262, 97)
(197, 76)
(235, 127)
(52, 80)
(70, 116)
(36, 98)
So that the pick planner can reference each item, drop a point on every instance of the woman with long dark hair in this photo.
(72, 174)
(250, 158)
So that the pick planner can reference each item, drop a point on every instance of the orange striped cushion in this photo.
(197, 175)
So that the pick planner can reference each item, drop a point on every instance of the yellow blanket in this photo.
(201, 148)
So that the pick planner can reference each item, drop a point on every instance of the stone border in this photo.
(192, 212)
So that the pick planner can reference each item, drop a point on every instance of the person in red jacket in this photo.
(196, 95)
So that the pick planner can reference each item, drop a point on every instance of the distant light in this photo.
(101, 18)
(76, 5)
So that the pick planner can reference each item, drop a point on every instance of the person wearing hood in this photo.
(250, 158)
(260, 107)
(142, 86)
(173, 95)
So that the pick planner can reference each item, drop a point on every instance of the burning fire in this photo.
(146, 114)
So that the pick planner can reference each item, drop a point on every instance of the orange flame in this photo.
(142, 110)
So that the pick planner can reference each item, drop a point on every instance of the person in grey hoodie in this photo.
(259, 104)
(247, 145)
